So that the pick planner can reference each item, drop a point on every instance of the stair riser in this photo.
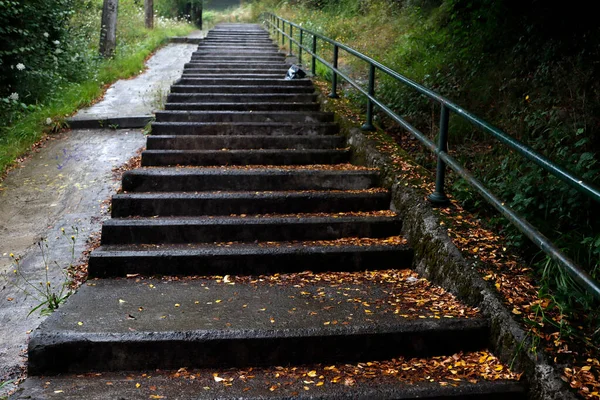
(279, 81)
(233, 76)
(237, 66)
(307, 117)
(223, 68)
(174, 128)
(167, 351)
(289, 89)
(249, 231)
(159, 158)
(244, 106)
(236, 98)
(235, 59)
(115, 264)
(142, 182)
(243, 142)
(128, 206)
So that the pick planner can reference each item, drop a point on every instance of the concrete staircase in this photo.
(244, 185)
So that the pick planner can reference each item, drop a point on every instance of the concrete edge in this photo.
(134, 121)
(440, 261)
(185, 40)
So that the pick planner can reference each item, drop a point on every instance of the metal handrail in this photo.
(277, 26)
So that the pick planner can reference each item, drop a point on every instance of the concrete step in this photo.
(163, 158)
(241, 98)
(263, 385)
(237, 51)
(238, 66)
(227, 68)
(155, 324)
(220, 81)
(226, 58)
(257, 89)
(163, 230)
(229, 72)
(245, 128)
(243, 116)
(227, 203)
(229, 75)
(244, 258)
(229, 47)
(196, 142)
(259, 106)
(253, 179)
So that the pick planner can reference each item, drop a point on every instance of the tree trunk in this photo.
(108, 29)
(197, 13)
(149, 12)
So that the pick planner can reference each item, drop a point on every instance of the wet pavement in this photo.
(64, 185)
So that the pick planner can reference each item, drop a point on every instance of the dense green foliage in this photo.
(530, 68)
(49, 63)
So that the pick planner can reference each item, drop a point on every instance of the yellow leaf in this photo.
(312, 374)
(137, 385)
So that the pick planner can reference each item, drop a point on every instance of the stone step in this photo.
(259, 106)
(244, 258)
(243, 116)
(227, 203)
(226, 68)
(252, 179)
(256, 89)
(224, 47)
(163, 230)
(163, 158)
(263, 385)
(227, 58)
(159, 324)
(229, 75)
(236, 51)
(218, 72)
(238, 66)
(244, 128)
(197, 142)
(265, 82)
(241, 98)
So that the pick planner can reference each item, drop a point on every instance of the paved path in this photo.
(63, 185)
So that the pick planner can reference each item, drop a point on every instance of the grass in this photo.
(17, 139)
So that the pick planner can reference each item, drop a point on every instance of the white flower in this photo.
(14, 96)
(20, 66)
(58, 51)
(48, 121)
(46, 34)
(56, 42)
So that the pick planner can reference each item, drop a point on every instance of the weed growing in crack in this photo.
(50, 296)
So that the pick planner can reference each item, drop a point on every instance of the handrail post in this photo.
(291, 42)
(313, 65)
(368, 125)
(283, 33)
(277, 31)
(300, 47)
(438, 197)
(333, 94)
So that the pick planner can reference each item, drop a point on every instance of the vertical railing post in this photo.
(313, 65)
(277, 31)
(333, 94)
(368, 125)
(300, 47)
(291, 42)
(283, 34)
(438, 197)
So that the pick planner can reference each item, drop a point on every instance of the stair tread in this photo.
(354, 383)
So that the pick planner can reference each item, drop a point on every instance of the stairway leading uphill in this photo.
(204, 289)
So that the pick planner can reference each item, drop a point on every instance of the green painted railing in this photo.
(277, 26)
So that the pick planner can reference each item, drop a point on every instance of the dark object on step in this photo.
(295, 72)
